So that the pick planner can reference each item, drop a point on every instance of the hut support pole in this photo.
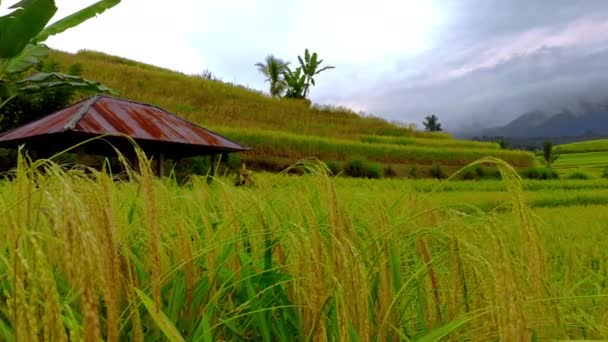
(161, 165)
(215, 164)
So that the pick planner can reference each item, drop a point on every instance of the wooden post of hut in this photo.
(215, 164)
(161, 165)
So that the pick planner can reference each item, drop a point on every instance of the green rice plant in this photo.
(83, 256)
(543, 173)
(407, 140)
(583, 146)
(296, 147)
(578, 175)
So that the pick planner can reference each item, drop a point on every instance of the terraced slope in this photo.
(283, 131)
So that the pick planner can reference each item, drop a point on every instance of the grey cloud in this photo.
(496, 60)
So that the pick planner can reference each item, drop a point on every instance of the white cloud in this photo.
(150, 31)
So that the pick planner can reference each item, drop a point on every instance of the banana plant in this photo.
(22, 33)
(296, 83)
(310, 66)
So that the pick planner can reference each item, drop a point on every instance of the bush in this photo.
(437, 171)
(578, 175)
(390, 172)
(469, 174)
(232, 161)
(480, 171)
(605, 173)
(374, 170)
(543, 173)
(413, 172)
(362, 169)
(334, 167)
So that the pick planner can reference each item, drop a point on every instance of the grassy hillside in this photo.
(282, 131)
(583, 146)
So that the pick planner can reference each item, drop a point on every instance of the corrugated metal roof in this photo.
(101, 115)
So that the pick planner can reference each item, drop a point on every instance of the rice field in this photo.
(295, 258)
(441, 143)
(599, 145)
(296, 147)
(593, 163)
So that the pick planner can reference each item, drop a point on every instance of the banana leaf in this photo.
(48, 80)
(76, 19)
(20, 26)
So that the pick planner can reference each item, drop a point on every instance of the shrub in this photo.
(362, 169)
(578, 175)
(355, 168)
(374, 170)
(480, 171)
(469, 174)
(390, 172)
(334, 167)
(413, 172)
(232, 161)
(543, 173)
(437, 171)
(605, 173)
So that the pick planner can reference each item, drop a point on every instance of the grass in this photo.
(434, 142)
(215, 103)
(283, 131)
(589, 162)
(295, 147)
(293, 258)
(599, 145)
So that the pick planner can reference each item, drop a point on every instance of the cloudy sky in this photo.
(471, 62)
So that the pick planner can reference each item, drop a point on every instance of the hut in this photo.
(160, 134)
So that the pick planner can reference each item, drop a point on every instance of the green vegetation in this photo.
(583, 146)
(282, 131)
(590, 162)
(579, 175)
(431, 124)
(295, 147)
(431, 142)
(22, 32)
(549, 155)
(539, 173)
(297, 258)
(274, 69)
(310, 66)
(361, 168)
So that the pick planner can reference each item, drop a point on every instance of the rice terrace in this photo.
(143, 203)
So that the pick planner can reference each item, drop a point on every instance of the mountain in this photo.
(542, 124)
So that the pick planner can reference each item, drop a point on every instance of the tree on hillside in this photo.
(549, 154)
(431, 123)
(296, 82)
(310, 66)
(274, 69)
(22, 32)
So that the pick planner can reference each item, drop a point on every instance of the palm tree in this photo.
(274, 68)
(310, 66)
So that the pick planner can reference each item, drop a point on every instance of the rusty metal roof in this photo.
(100, 115)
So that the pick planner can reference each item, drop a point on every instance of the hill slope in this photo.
(281, 131)
(540, 124)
